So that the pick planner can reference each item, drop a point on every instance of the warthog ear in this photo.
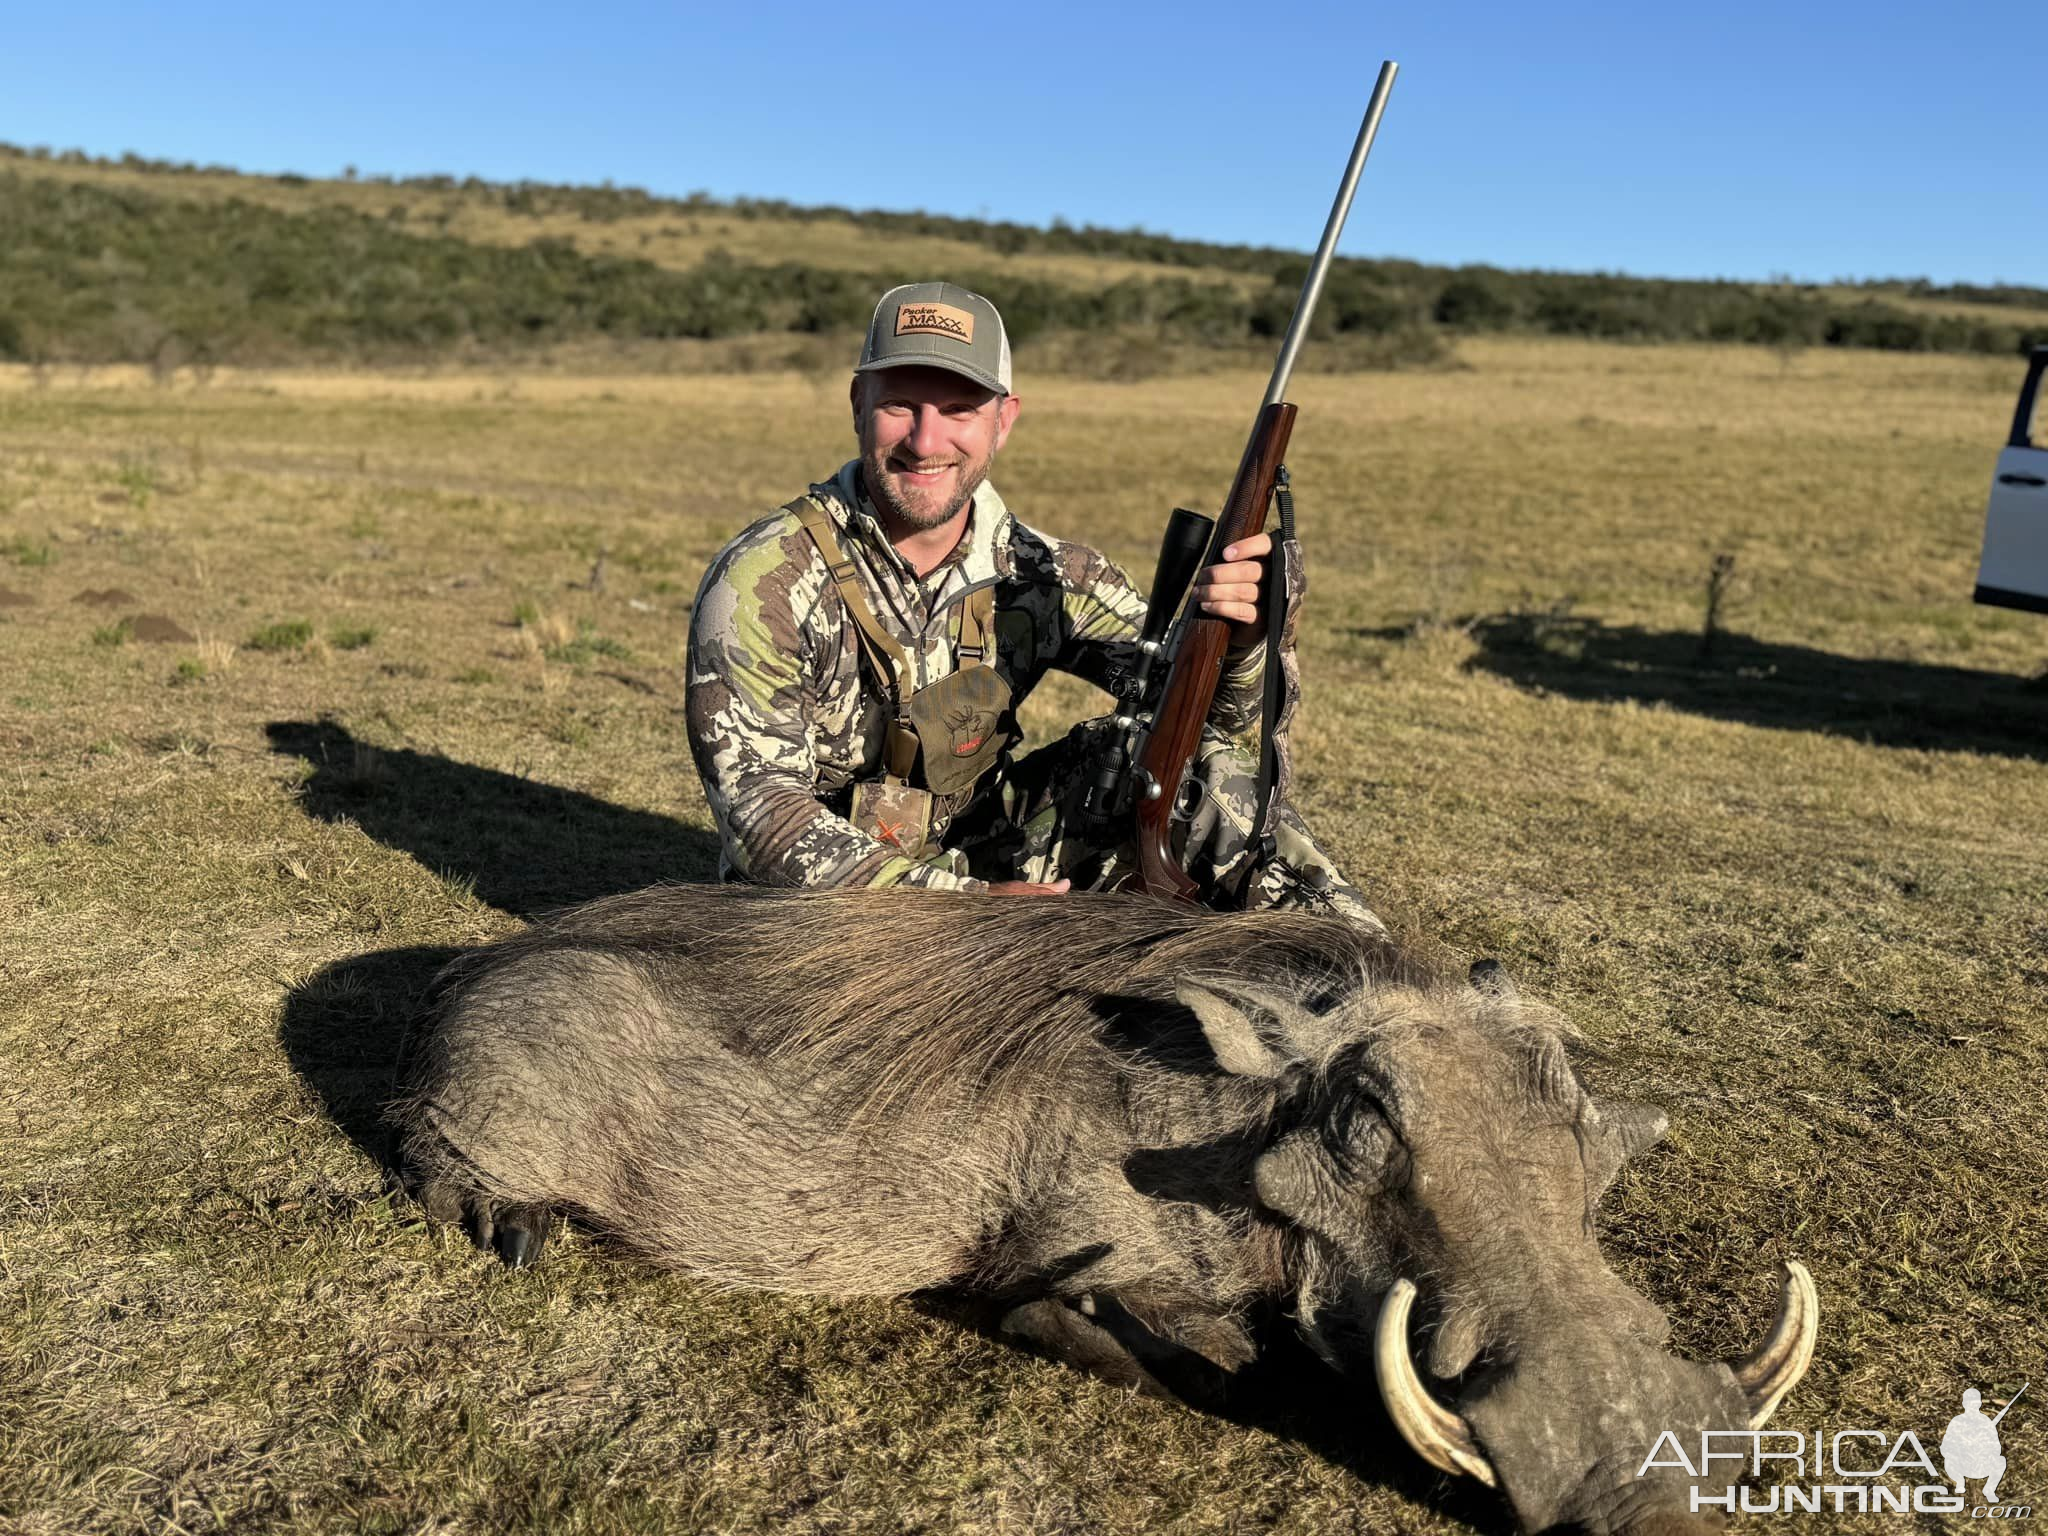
(1248, 1032)
(1610, 1134)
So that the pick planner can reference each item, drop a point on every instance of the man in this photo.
(856, 659)
(1969, 1447)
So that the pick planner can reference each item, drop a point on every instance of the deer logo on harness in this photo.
(969, 728)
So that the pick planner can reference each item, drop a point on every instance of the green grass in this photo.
(26, 552)
(1796, 892)
(352, 637)
(285, 635)
(586, 646)
(138, 479)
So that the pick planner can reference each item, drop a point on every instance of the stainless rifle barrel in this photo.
(1312, 286)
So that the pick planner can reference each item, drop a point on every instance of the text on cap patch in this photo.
(934, 320)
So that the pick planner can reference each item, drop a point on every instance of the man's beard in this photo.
(916, 507)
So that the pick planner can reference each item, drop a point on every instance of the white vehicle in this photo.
(2014, 571)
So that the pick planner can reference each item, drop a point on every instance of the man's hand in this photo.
(1029, 888)
(1229, 589)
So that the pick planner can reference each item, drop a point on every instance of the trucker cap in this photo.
(937, 325)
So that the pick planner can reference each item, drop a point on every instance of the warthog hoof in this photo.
(522, 1233)
(516, 1233)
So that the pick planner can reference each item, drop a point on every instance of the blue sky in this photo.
(1819, 140)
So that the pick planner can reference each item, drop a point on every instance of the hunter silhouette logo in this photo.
(934, 320)
(1970, 1447)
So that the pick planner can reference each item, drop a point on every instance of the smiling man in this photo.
(857, 658)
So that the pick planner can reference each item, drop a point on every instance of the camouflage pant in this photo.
(1034, 826)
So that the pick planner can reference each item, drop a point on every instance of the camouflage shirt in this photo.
(783, 719)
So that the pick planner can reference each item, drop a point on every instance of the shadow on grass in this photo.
(1287, 1391)
(1756, 682)
(526, 847)
(345, 1031)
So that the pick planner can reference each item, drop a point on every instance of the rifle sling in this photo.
(1273, 602)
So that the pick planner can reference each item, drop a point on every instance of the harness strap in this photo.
(894, 664)
(887, 658)
(977, 621)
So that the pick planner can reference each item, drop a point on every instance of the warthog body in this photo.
(1130, 1124)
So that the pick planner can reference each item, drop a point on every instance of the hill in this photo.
(147, 261)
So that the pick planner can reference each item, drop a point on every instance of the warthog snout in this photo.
(1635, 1401)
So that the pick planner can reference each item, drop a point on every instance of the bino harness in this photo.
(943, 737)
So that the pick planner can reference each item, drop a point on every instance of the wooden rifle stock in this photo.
(1198, 662)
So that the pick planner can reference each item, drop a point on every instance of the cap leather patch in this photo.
(934, 320)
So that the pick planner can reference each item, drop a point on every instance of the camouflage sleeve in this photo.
(1103, 614)
(748, 692)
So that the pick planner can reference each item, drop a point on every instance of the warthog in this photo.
(1127, 1124)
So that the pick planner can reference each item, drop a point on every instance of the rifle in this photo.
(1165, 737)
(2009, 1402)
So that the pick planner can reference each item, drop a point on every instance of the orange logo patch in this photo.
(934, 320)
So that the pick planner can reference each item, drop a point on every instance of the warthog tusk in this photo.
(1774, 1368)
(1435, 1433)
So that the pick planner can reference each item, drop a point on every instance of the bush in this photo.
(1477, 301)
(104, 273)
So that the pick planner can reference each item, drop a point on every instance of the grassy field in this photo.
(1795, 890)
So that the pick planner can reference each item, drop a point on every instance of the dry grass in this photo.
(1798, 894)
